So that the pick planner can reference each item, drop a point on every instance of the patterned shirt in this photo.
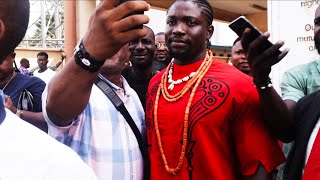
(24, 71)
(102, 137)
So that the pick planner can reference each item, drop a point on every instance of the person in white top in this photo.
(44, 73)
(26, 152)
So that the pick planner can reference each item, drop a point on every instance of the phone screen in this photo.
(241, 23)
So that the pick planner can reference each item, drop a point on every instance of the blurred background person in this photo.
(24, 65)
(13, 84)
(161, 58)
(44, 73)
(238, 58)
(141, 58)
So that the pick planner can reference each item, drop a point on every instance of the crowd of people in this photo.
(134, 105)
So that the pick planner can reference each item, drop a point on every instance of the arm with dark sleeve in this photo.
(261, 58)
(277, 114)
(278, 111)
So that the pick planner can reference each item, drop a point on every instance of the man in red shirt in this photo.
(203, 116)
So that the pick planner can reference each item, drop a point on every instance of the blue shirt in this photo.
(2, 111)
(20, 82)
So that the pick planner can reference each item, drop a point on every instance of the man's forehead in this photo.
(187, 8)
(42, 57)
(160, 37)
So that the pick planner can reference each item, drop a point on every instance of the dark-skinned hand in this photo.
(260, 57)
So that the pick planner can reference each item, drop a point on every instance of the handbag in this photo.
(105, 87)
(25, 101)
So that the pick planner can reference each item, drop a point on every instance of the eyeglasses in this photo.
(159, 45)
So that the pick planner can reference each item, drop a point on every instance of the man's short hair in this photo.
(160, 33)
(15, 16)
(23, 60)
(235, 41)
(205, 8)
(43, 54)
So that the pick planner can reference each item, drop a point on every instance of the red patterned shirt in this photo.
(226, 137)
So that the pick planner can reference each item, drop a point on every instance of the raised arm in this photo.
(278, 114)
(63, 56)
(109, 29)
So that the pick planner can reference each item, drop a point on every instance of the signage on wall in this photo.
(292, 22)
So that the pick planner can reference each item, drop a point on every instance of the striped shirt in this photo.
(102, 137)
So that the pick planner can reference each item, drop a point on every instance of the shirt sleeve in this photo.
(253, 142)
(293, 85)
(53, 129)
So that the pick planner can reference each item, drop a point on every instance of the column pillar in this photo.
(70, 30)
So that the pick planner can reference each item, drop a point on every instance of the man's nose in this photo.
(179, 29)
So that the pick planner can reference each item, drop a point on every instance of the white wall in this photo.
(222, 36)
(291, 21)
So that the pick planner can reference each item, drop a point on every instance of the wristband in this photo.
(19, 113)
(85, 61)
(263, 86)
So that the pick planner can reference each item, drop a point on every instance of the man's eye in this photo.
(170, 22)
(191, 23)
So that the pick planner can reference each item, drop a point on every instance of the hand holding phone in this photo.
(241, 23)
(140, 12)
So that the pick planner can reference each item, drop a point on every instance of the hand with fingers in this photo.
(111, 27)
(9, 104)
(261, 57)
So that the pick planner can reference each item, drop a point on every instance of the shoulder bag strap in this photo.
(105, 87)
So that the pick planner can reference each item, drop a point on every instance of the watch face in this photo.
(86, 62)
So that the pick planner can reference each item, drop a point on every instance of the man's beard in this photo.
(140, 65)
(178, 55)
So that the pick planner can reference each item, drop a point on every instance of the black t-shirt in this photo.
(159, 65)
(140, 85)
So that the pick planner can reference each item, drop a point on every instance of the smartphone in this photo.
(139, 12)
(241, 23)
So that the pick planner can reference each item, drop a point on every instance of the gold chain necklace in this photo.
(196, 79)
(14, 73)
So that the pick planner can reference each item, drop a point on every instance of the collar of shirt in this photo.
(2, 110)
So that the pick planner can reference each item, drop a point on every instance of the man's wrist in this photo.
(92, 50)
(19, 113)
(85, 60)
(265, 84)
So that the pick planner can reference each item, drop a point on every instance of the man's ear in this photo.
(2, 29)
(210, 32)
(13, 55)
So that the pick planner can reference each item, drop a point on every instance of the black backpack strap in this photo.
(106, 88)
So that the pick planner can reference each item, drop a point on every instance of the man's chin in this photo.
(179, 54)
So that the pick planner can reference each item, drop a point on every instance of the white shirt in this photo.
(28, 153)
(45, 76)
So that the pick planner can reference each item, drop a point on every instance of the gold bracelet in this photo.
(19, 113)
